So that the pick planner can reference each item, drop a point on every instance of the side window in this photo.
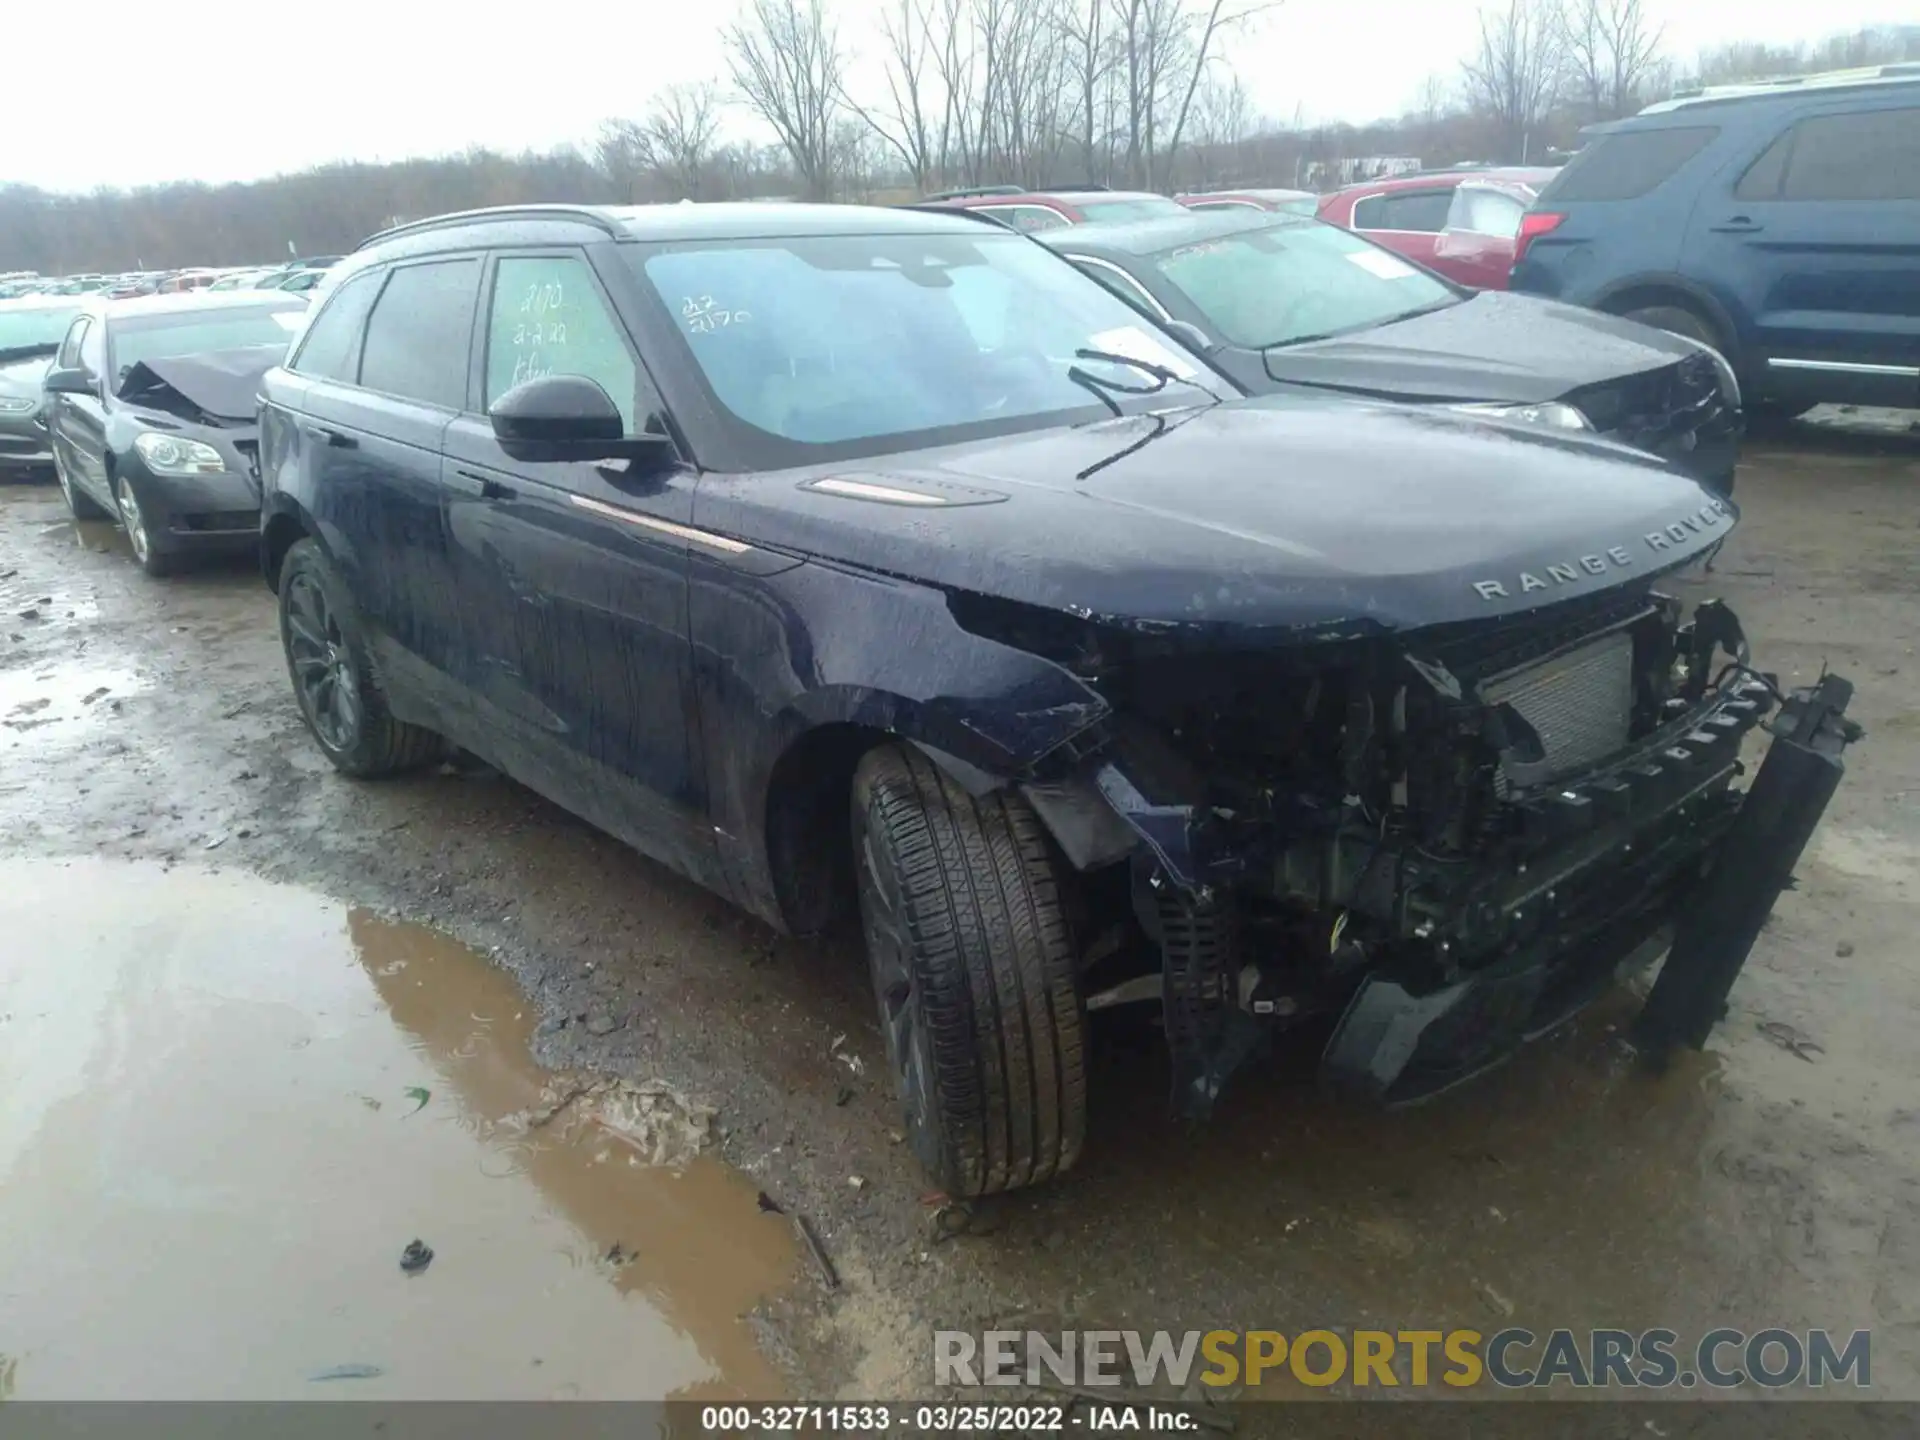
(1027, 217)
(1628, 164)
(331, 349)
(1424, 211)
(1763, 177)
(70, 347)
(419, 332)
(548, 318)
(1869, 155)
(93, 349)
(1124, 286)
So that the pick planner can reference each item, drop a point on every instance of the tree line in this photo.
(965, 92)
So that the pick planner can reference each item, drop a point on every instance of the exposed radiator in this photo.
(1580, 703)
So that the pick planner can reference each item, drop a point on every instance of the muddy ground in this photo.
(218, 1010)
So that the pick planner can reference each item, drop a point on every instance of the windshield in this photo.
(156, 337)
(1298, 279)
(1105, 212)
(828, 347)
(37, 326)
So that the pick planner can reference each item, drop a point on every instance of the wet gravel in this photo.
(1761, 1183)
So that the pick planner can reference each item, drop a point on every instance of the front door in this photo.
(1818, 240)
(575, 575)
(77, 424)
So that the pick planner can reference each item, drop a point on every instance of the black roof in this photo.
(1150, 237)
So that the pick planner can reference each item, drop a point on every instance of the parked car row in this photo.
(299, 275)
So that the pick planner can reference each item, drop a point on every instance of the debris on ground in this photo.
(1793, 1041)
(653, 1118)
(416, 1257)
(769, 1205)
(620, 1255)
(829, 1276)
(348, 1372)
(1844, 949)
(419, 1094)
(1494, 1298)
(601, 1023)
(846, 1057)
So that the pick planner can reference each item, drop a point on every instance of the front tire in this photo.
(1678, 320)
(339, 695)
(973, 966)
(146, 554)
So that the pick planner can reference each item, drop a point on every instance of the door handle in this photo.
(1738, 225)
(332, 437)
(485, 486)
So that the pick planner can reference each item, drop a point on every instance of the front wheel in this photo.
(972, 963)
(1678, 320)
(339, 695)
(146, 554)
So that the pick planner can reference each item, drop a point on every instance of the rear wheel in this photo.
(972, 962)
(339, 695)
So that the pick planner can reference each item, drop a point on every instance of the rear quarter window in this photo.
(1867, 155)
(1628, 164)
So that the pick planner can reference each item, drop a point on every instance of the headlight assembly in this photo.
(17, 405)
(171, 455)
(1554, 414)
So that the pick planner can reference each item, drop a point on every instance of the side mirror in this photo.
(557, 418)
(69, 380)
(1192, 335)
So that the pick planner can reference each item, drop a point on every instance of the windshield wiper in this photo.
(1418, 310)
(1106, 389)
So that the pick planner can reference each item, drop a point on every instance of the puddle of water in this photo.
(210, 1163)
(33, 697)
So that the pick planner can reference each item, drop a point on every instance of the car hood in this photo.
(1285, 512)
(1496, 346)
(23, 377)
(217, 387)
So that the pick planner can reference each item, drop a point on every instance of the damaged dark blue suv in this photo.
(878, 562)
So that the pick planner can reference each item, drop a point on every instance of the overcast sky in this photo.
(234, 89)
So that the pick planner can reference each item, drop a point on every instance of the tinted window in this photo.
(823, 348)
(1280, 285)
(1627, 165)
(1873, 155)
(548, 318)
(93, 350)
(1417, 210)
(331, 350)
(419, 333)
(1763, 177)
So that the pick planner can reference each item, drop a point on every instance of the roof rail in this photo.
(1090, 185)
(587, 214)
(1906, 72)
(965, 192)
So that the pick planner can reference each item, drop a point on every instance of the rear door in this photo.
(373, 448)
(575, 577)
(1817, 235)
(1476, 248)
(1407, 222)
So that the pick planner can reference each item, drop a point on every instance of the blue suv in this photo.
(1779, 223)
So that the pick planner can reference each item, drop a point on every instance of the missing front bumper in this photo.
(1398, 1046)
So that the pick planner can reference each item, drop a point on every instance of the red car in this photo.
(1050, 209)
(1460, 223)
(1294, 202)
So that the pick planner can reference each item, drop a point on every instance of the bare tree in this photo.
(786, 58)
(679, 134)
(1222, 121)
(1515, 71)
(905, 123)
(1610, 49)
(1198, 35)
(621, 151)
